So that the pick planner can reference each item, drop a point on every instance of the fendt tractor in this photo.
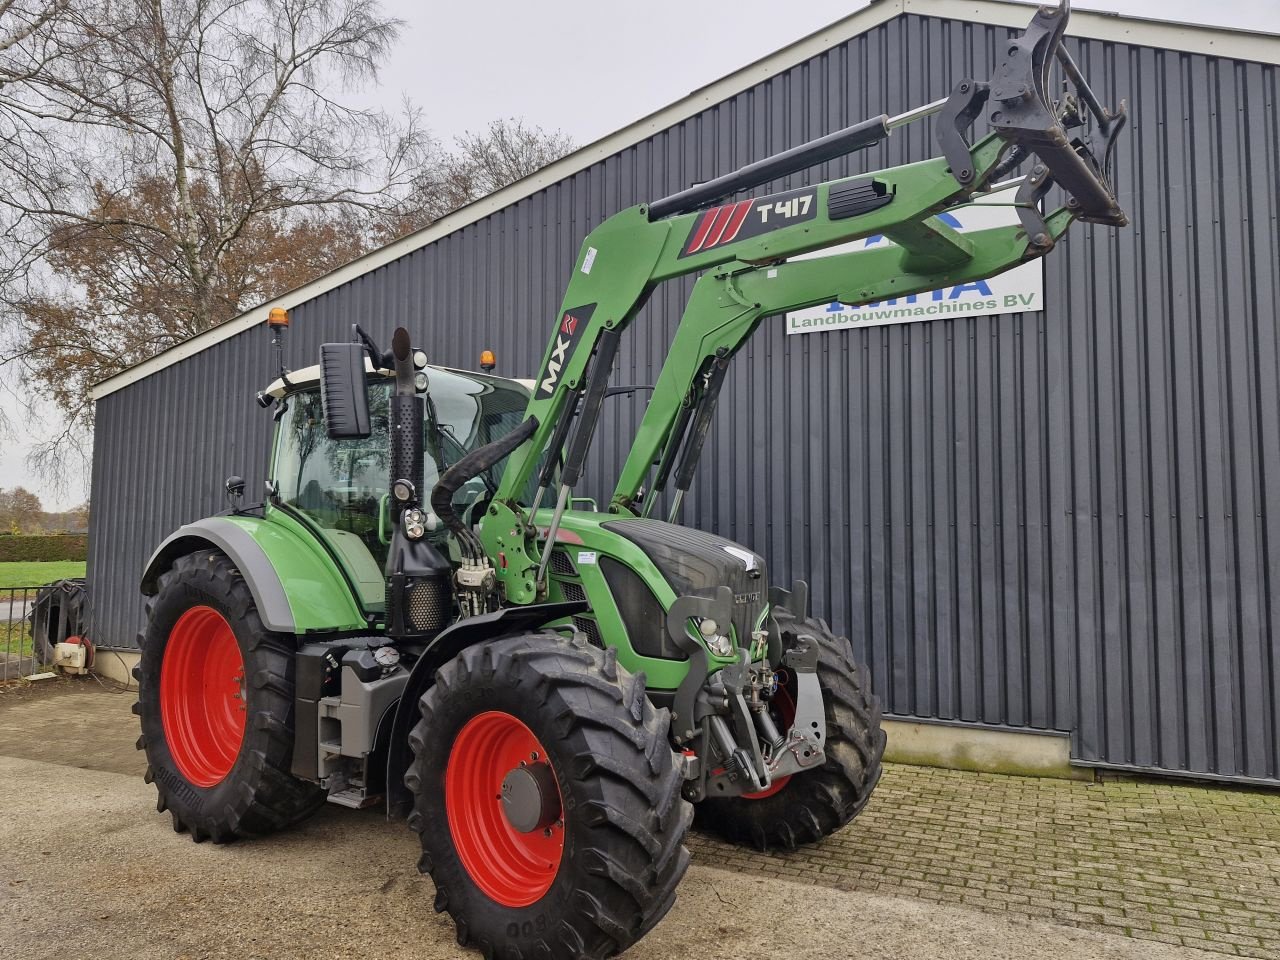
(422, 615)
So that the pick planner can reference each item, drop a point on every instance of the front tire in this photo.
(592, 863)
(215, 698)
(812, 805)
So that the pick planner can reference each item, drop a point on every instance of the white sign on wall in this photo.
(1014, 291)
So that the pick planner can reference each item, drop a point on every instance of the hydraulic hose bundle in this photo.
(470, 466)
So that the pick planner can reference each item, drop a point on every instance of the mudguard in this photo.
(442, 649)
(295, 585)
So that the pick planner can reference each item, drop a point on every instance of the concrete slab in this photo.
(1017, 752)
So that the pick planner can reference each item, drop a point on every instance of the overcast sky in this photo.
(588, 68)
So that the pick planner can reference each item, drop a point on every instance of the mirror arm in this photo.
(380, 359)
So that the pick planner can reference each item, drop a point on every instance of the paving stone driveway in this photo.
(1199, 866)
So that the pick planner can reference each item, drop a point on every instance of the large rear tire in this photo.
(215, 697)
(600, 854)
(812, 805)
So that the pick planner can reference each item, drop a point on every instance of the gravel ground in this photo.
(89, 870)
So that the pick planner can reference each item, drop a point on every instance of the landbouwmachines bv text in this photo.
(421, 614)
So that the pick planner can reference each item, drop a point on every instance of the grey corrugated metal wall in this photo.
(1063, 521)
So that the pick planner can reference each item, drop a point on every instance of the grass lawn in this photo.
(15, 641)
(24, 574)
(15, 630)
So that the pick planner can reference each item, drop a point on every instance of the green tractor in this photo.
(421, 615)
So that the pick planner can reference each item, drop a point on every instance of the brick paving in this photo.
(1191, 865)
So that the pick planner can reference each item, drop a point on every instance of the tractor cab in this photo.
(339, 486)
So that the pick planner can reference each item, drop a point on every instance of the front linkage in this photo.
(725, 714)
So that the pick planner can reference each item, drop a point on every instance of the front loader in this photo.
(421, 615)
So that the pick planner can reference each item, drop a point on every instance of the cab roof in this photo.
(306, 377)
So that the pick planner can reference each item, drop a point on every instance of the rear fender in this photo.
(446, 646)
(295, 585)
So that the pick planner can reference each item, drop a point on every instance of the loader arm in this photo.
(743, 249)
(727, 305)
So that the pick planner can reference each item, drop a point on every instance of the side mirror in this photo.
(343, 391)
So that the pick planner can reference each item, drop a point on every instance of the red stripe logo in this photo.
(700, 231)
(719, 225)
(723, 215)
(736, 221)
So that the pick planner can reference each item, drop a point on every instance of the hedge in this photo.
(73, 546)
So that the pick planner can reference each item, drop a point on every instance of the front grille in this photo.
(573, 591)
(589, 626)
(694, 561)
(429, 605)
(642, 614)
(561, 564)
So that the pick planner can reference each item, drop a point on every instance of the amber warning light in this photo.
(487, 360)
(278, 317)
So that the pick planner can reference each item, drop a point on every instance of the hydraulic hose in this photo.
(470, 466)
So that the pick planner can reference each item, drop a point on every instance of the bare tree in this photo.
(171, 163)
(507, 151)
(480, 164)
(193, 157)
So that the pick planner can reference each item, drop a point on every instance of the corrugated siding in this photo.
(1060, 521)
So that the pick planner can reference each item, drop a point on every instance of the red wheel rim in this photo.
(202, 696)
(512, 868)
(785, 715)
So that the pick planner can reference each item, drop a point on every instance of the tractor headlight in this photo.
(414, 527)
(402, 490)
(717, 643)
(720, 645)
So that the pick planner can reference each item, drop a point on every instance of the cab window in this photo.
(341, 486)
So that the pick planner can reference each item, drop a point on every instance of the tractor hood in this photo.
(693, 561)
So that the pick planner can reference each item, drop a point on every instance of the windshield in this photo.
(341, 486)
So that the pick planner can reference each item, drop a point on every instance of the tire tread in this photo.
(268, 797)
(634, 813)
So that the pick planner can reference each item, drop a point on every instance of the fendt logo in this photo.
(571, 325)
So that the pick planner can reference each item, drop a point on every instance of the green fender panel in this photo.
(295, 584)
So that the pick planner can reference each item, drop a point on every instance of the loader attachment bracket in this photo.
(1072, 136)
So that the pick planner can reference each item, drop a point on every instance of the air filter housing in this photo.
(419, 605)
